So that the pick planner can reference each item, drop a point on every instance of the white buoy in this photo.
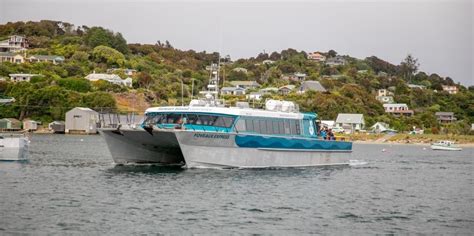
(82, 140)
(424, 148)
(384, 150)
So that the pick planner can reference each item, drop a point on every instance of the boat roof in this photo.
(236, 111)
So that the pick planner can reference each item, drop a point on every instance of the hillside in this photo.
(157, 72)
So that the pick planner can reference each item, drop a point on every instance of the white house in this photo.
(14, 44)
(350, 122)
(398, 109)
(255, 96)
(416, 86)
(245, 84)
(336, 61)
(269, 90)
(384, 92)
(22, 77)
(284, 90)
(450, 89)
(46, 58)
(233, 91)
(12, 57)
(111, 78)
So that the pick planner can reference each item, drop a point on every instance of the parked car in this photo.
(339, 130)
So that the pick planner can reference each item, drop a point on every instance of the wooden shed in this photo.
(81, 120)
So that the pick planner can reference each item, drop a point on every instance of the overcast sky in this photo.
(440, 33)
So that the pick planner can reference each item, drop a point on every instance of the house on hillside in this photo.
(233, 91)
(14, 43)
(245, 84)
(255, 96)
(311, 85)
(46, 58)
(336, 61)
(22, 77)
(416, 86)
(445, 117)
(111, 78)
(81, 120)
(316, 56)
(398, 109)
(298, 76)
(12, 57)
(350, 122)
(384, 96)
(284, 90)
(450, 89)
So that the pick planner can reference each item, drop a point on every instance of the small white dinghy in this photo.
(445, 145)
(13, 147)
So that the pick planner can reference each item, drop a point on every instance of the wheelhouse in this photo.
(232, 123)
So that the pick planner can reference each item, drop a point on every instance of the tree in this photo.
(409, 67)
(104, 54)
(332, 53)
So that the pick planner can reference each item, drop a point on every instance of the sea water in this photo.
(71, 186)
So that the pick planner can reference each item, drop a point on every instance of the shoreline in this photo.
(378, 142)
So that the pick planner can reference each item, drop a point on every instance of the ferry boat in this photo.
(208, 134)
(13, 147)
(445, 145)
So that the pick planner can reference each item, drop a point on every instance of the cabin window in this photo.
(269, 126)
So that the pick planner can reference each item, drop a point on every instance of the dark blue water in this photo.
(72, 187)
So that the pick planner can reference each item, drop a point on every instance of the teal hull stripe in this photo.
(254, 141)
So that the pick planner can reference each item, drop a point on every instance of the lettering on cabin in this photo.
(214, 136)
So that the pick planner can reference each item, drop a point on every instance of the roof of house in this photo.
(444, 113)
(86, 109)
(23, 75)
(230, 89)
(350, 118)
(245, 83)
(289, 86)
(98, 76)
(48, 57)
(312, 85)
(12, 120)
(269, 89)
(395, 105)
(8, 54)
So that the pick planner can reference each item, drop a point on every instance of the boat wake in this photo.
(357, 162)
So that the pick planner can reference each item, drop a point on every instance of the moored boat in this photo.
(208, 134)
(13, 147)
(445, 145)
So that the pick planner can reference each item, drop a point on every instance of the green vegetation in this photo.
(161, 69)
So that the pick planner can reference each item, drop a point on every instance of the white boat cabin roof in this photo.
(236, 111)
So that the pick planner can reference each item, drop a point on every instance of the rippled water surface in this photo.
(70, 185)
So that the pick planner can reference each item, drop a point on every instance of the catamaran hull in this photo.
(14, 149)
(205, 150)
(139, 146)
